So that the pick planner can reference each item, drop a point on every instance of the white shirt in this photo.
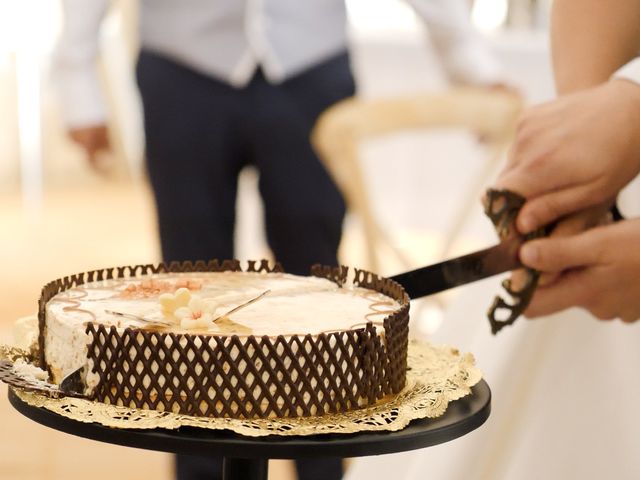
(228, 39)
(629, 71)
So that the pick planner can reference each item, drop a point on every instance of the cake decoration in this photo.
(74, 302)
(191, 311)
(153, 287)
(172, 302)
(437, 376)
(502, 207)
(131, 316)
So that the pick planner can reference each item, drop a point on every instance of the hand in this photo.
(94, 140)
(574, 153)
(602, 271)
(577, 223)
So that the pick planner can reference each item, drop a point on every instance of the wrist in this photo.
(627, 79)
(625, 97)
(625, 82)
(629, 90)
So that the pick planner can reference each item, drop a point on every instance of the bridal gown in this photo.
(566, 400)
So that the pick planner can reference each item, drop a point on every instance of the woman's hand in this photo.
(574, 153)
(601, 271)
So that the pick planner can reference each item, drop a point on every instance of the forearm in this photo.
(590, 39)
(74, 69)
(463, 52)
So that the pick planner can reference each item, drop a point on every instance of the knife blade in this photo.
(438, 277)
(73, 384)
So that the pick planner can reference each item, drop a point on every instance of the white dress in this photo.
(566, 400)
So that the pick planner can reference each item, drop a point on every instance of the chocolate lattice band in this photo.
(246, 376)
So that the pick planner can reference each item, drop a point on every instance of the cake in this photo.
(212, 339)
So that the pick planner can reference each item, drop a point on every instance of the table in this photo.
(247, 458)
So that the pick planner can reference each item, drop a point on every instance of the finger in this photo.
(531, 150)
(629, 316)
(571, 226)
(92, 138)
(582, 221)
(99, 149)
(568, 291)
(102, 162)
(549, 207)
(563, 253)
(519, 279)
(548, 278)
(533, 178)
(510, 162)
(102, 142)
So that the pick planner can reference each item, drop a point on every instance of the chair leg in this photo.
(472, 198)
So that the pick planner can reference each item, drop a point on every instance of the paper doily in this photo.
(437, 375)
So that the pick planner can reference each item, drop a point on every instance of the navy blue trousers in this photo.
(200, 133)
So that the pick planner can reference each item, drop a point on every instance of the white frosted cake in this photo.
(227, 343)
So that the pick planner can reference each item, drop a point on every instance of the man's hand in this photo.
(574, 153)
(601, 271)
(95, 142)
(577, 223)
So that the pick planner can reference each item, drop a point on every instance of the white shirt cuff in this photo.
(629, 71)
(80, 95)
(471, 64)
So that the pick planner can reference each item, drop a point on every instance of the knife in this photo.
(431, 279)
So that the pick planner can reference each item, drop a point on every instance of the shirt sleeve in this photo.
(630, 71)
(463, 51)
(74, 71)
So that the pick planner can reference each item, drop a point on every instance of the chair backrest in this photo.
(490, 114)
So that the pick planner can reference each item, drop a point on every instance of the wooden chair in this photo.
(490, 114)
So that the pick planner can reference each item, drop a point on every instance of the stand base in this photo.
(245, 469)
(461, 417)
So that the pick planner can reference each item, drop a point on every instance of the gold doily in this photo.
(437, 376)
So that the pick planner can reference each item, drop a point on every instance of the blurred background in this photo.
(555, 379)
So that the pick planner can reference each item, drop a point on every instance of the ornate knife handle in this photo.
(502, 207)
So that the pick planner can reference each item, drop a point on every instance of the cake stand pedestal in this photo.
(246, 458)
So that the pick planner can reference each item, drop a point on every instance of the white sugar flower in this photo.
(198, 313)
(171, 302)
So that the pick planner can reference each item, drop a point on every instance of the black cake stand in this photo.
(246, 458)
